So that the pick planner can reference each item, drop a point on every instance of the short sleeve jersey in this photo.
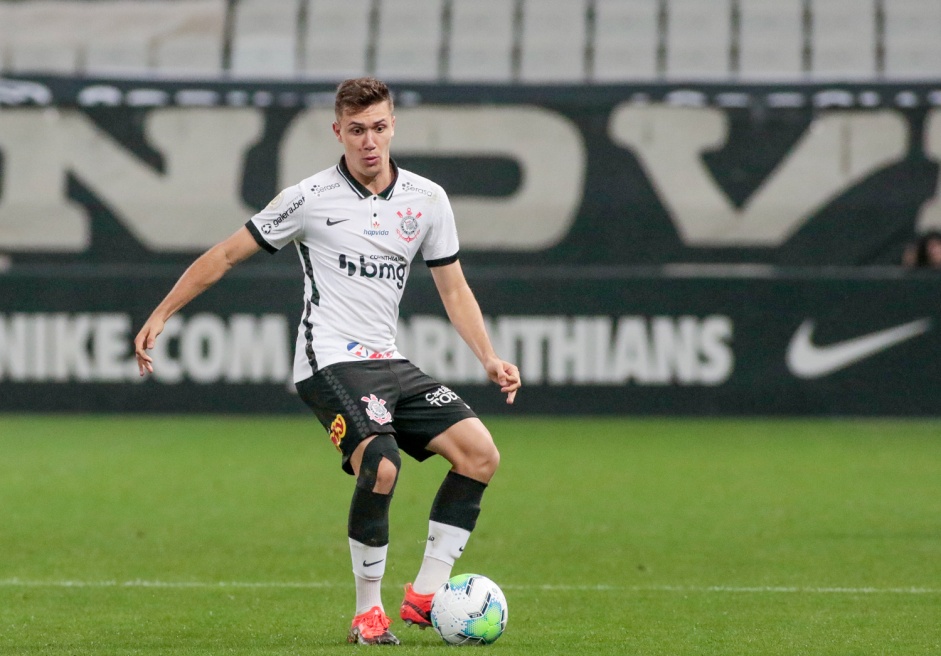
(356, 249)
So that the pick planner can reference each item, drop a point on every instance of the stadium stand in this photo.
(844, 39)
(771, 40)
(496, 41)
(115, 37)
(698, 39)
(264, 42)
(481, 41)
(913, 39)
(408, 47)
(336, 38)
(36, 37)
(552, 42)
(626, 40)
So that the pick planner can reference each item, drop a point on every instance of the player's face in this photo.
(366, 136)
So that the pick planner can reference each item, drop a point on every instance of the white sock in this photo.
(368, 594)
(444, 546)
(432, 575)
(369, 566)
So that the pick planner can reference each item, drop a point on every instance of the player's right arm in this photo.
(200, 276)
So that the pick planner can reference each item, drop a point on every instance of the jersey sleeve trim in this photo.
(442, 261)
(252, 228)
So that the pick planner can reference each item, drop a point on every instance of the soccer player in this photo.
(357, 227)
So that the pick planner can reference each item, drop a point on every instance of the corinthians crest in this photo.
(376, 409)
(408, 228)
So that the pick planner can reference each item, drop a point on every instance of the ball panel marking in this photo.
(469, 609)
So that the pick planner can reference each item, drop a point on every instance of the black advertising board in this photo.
(595, 342)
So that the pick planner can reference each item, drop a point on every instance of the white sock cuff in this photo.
(445, 542)
(368, 562)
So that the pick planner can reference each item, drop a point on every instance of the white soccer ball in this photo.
(470, 609)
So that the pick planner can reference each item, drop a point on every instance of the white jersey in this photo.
(356, 249)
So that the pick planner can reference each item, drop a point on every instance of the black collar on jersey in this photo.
(363, 192)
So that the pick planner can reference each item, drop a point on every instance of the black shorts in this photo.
(354, 400)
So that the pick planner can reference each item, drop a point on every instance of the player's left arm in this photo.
(464, 313)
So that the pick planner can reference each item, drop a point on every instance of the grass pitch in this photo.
(198, 535)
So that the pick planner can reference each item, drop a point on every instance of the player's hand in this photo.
(145, 340)
(506, 375)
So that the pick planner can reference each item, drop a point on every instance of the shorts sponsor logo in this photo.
(441, 396)
(338, 431)
(360, 351)
(408, 229)
(376, 409)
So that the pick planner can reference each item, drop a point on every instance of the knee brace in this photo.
(369, 511)
(381, 446)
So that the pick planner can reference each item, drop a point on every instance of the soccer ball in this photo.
(470, 609)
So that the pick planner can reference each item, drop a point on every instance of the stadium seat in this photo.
(121, 41)
(336, 39)
(408, 44)
(771, 40)
(5, 30)
(195, 46)
(264, 39)
(553, 41)
(134, 37)
(626, 40)
(698, 39)
(481, 43)
(130, 37)
(40, 37)
(843, 37)
(913, 39)
(190, 54)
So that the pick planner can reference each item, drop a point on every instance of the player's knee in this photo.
(379, 469)
(481, 463)
(386, 477)
(489, 460)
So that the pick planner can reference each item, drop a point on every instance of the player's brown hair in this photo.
(356, 94)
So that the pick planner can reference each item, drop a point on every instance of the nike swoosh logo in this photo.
(807, 360)
(333, 222)
(365, 564)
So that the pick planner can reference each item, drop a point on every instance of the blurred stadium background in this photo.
(704, 208)
(492, 41)
(666, 206)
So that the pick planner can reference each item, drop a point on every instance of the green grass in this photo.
(217, 535)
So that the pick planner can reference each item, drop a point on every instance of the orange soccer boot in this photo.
(372, 628)
(416, 608)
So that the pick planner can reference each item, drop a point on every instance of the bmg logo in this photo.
(388, 267)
